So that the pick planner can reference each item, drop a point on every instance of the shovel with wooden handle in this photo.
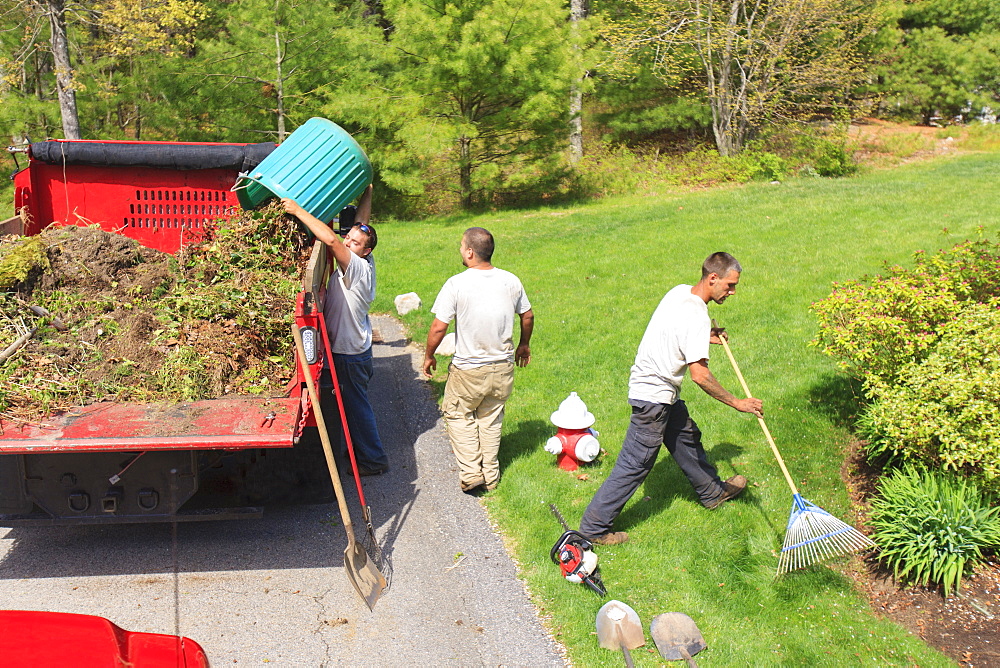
(618, 627)
(363, 574)
(370, 542)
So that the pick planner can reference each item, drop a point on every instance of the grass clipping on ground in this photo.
(145, 326)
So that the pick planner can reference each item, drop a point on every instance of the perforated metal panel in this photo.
(164, 209)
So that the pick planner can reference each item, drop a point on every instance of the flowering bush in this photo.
(926, 344)
(877, 325)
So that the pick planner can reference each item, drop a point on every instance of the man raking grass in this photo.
(676, 340)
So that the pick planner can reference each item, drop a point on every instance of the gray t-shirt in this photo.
(482, 302)
(348, 297)
(677, 335)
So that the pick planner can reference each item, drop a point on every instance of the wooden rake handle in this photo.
(763, 425)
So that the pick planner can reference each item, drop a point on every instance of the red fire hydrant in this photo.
(575, 441)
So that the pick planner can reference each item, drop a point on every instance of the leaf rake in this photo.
(813, 535)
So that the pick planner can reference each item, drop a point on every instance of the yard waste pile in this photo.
(89, 316)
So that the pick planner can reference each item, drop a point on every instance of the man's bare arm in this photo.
(364, 212)
(321, 231)
(522, 356)
(434, 337)
(703, 377)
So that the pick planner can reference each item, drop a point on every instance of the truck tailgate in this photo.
(229, 423)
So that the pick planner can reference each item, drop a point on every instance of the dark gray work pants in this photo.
(651, 426)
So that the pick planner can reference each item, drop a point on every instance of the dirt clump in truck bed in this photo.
(128, 323)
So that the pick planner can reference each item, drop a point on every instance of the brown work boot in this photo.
(473, 485)
(611, 538)
(731, 489)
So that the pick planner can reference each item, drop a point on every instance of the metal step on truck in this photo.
(128, 462)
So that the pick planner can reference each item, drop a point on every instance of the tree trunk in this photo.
(727, 89)
(64, 70)
(279, 83)
(576, 123)
(373, 8)
(578, 12)
(465, 170)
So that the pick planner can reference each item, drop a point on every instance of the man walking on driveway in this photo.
(482, 301)
(676, 339)
(349, 295)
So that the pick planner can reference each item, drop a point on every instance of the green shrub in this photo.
(763, 165)
(704, 166)
(944, 411)
(612, 170)
(824, 155)
(933, 528)
(877, 325)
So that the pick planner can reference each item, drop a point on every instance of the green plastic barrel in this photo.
(320, 166)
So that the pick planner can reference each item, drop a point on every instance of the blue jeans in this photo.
(651, 425)
(353, 374)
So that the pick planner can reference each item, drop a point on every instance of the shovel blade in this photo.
(618, 626)
(367, 580)
(672, 631)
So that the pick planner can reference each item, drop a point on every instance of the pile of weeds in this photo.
(121, 322)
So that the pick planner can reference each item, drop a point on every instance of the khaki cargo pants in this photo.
(473, 414)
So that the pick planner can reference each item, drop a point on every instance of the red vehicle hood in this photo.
(60, 639)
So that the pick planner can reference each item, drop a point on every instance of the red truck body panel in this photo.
(164, 209)
(166, 217)
(229, 423)
(61, 639)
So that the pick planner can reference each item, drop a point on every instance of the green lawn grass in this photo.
(594, 274)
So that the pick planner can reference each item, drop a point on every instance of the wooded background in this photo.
(467, 103)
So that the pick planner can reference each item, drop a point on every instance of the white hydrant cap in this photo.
(572, 414)
(553, 445)
(587, 448)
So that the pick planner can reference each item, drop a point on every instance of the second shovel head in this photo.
(618, 625)
(366, 578)
(673, 630)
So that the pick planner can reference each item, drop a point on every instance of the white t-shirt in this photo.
(482, 302)
(677, 335)
(348, 297)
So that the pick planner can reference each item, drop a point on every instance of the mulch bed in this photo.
(965, 626)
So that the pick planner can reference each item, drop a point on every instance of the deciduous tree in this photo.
(758, 61)
(63, 68)
(268, 67)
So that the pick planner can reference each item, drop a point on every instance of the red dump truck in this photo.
(127, 462)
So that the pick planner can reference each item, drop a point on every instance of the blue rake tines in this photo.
(814, 535)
